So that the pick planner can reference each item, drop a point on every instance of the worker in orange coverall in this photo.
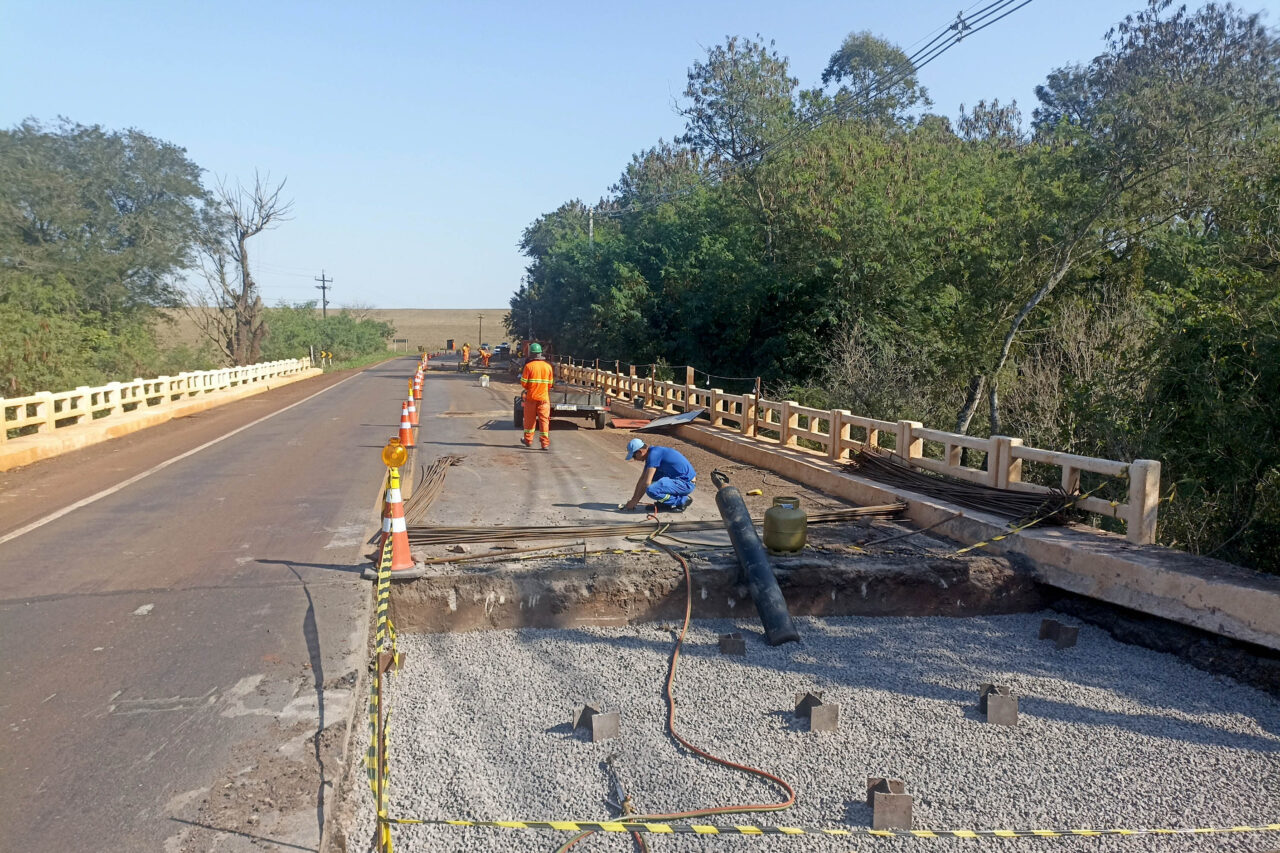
(537, 379)
(466, 353)
(485, 355)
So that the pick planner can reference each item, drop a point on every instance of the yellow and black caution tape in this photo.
(748, 829)
(376, 760)
(1013, 531)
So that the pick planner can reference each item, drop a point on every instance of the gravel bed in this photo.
(1109, 735)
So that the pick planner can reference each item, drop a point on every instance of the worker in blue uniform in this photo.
(667, 478)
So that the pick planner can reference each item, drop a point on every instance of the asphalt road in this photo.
(179, 655)
(181, 637)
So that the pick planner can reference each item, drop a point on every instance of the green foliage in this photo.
(292, 330)
(859, 68)
(95, 225)
(114, 213)
(1108, 284)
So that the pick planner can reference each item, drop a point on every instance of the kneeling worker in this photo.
(673, 488)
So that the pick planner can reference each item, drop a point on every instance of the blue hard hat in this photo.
(633, 445)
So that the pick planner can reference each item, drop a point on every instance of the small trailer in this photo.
(570, 401)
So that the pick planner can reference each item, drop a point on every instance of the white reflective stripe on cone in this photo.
(393, 496)
(397, 525)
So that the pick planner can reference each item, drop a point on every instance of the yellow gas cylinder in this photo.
(785, 525)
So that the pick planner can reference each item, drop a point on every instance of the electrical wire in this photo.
(959, 29)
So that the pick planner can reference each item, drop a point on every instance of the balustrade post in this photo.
(1144, 501)
(953, 454)
(789, 422)
(747, 425)
(1002, 468)
(839, 429)
(48, 416)
(717, 416)
(909, 446)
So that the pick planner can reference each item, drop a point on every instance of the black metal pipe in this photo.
(762, 584)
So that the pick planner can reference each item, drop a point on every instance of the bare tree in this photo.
(232, 311)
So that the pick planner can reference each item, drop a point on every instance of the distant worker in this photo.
(466, 353)
(537, 379)
(674, 485)
(485, 355)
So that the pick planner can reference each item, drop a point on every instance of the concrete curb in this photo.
(1204, 593)
(17, 452)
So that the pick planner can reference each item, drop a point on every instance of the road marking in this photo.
(36, 525)
(143, 610)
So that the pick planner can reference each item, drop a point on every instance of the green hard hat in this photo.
(535, 349)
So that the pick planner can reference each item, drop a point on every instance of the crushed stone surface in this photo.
(1109, 735)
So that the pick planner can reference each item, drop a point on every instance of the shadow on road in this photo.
(598, 505)
(345, 568)
(312, 637)
(249, 835)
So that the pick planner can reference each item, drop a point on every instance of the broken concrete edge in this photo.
(625, 589)
(1209, 594)
(26, 450)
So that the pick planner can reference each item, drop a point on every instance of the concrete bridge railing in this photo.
(837, 433)
(45, 412)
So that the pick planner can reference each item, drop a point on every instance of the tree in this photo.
(740, 101)
(95, 227)
(232, 311)
(1141, 135)
(875, 79)
(116, 213)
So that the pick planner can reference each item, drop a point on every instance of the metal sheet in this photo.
(674, 420)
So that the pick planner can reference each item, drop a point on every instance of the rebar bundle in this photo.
(1049, 507)
(426, 535)
(430, 482)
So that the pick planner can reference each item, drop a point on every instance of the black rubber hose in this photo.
(778, 628)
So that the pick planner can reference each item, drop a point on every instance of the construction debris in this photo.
(427, 535)
(430, 482)
(1048, 507)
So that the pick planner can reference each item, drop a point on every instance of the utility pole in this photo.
(480, 334)
(323, 287)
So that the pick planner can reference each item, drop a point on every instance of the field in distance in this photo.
(431, 327)
(426, 327)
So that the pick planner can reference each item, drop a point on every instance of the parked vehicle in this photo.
(571, 401)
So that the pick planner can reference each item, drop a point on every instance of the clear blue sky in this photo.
(419, 139)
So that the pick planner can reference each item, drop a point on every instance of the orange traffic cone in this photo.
(413, 411)
(417, 385)
(406, 429)
(394, 527)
